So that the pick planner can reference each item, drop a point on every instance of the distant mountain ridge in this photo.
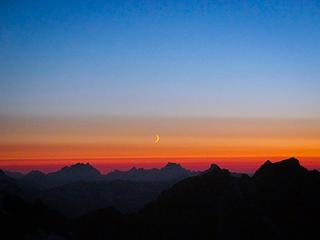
(74, 173)
(171, 171)
(125, 190)
(86, 172)
(280, 201)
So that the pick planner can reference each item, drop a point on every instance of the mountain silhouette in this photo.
(170, 172)
(127, 191)
(84, 172)
(68, 174)
(77, 189)
(74, 173)
(35, 179)
(78, 170)
(287, 168)
(280, 201)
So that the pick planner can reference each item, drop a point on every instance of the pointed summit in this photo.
(172, 165)
(214, 167)
(74, 173)
(265, 167)
(80, 169)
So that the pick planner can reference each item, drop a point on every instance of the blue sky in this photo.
(160, 58)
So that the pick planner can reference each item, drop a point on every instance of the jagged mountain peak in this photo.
(292, 162)
(214, 167)
(170, 172)
(172, 165)
(83, 168)
(78, 165)
(289, 166)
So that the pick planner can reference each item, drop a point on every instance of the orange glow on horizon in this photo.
(236, 164)
(236, 143)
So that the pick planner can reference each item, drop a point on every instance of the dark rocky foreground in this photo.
(280, 201)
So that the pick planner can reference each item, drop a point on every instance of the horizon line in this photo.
(25, 166)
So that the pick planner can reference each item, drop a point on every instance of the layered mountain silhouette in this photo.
(76, 172)
(172, 171)
(280, 201)
(77, 189)
(68, 174)
(86, 172)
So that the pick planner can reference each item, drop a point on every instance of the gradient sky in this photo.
(215, 79)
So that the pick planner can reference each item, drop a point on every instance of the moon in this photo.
(157, 139)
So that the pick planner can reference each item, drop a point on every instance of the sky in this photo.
(234, 82)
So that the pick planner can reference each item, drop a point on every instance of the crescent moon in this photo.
(157, 139)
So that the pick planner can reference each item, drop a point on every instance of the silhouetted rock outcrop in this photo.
(286, 168)
(281, 201)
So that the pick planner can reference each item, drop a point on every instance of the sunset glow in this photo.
(218, 82)
(239, 144)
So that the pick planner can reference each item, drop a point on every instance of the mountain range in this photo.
(280, 201)
(125, 190)
(86, 172)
